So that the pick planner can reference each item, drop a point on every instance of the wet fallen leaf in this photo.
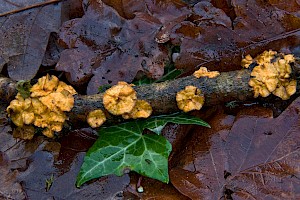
(152, 189)
(10, 188)
(24, 36)
(113, 48)
(43, 165)
(251, 156)
(225, 32)
(53, 51)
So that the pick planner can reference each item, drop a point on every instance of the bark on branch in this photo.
(162, 96)
(229, 86)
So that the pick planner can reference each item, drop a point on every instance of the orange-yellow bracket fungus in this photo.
(44, 108)
(119, 99)
(142, 109)
(96, 118)
(272, 75)
(203, 72)
(190, 99)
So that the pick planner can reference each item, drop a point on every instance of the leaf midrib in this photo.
(104, 160)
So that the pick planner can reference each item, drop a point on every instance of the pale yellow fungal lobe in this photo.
(45, 108)
(119, 99)
(48, 133)
(272, 75)
(21, 111)
(44, 86)
(38, 106)
(247, 61)
(62, 86)
(265, 57)
(56, 101)
(190, 99)
(142, 109)
(96, 118)
(203, 72)
(286, 90)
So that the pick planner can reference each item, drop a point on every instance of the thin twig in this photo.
(12, 3)
(29, 7)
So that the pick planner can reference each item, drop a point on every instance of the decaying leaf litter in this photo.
(283, 36)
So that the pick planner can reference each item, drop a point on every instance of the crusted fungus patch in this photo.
(272, 74)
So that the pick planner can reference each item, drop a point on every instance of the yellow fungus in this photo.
(272, 75)
(203, 72)
(119, 99)
(247, 61)
(142, 109)
(44, 86)
(45, 108)
(48, 133)
(190, 99)
(96, 118)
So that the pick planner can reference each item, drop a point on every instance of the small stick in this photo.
(30, 7)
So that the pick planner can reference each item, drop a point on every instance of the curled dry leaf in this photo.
(251, 155)
(24, 37)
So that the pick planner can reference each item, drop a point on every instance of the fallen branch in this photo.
(229, 86)
(162, 96)
(8, 89)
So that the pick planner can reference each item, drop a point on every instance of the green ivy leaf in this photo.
(124, 147)
(23, 88)
(156, 124)
(170, 74)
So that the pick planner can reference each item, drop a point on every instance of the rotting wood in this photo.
(229, 86)
(8, 89)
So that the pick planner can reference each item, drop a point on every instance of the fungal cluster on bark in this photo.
(190, 99)
(203, 72)
(271, 74)
(121, 99)
(45, 107)
(49, 99)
